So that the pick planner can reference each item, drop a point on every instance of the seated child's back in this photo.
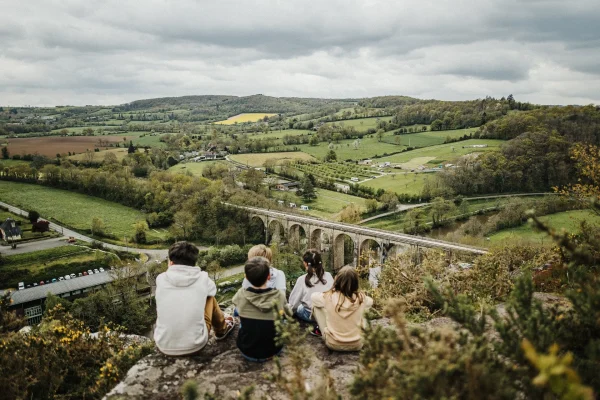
(256, 337)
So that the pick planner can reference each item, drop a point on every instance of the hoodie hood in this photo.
(182, 275)
(262, 298)
(348, 307)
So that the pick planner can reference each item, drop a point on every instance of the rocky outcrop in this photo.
(222, 372)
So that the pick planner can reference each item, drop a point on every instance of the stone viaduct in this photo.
(328, 235)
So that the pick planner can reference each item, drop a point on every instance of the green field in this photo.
(194, 168)
(361, 124)
(445, 152)
(424, 139)
(74, 209)
(369, 147)
(12, 163)
(405, 182)
(278, 134)
(568, 220)
(327, 205)
(51, 263)
(258, 159)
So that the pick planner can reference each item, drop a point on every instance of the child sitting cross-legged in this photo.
(315, 280)
(339, 312)
(255, 306)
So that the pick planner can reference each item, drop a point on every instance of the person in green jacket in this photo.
(256, 337)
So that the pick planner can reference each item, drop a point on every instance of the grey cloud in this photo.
(119, 51)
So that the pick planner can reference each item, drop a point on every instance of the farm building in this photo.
(366, 162)
(287, 186)
(10, 230)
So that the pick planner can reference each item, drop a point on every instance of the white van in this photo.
(304, 208)
(21, 285)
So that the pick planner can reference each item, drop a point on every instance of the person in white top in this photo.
(185, 305)
(276, 277)
(316, 280)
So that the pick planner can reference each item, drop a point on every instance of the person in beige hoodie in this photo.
(339, 312)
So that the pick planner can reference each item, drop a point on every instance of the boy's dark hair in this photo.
(183, 253)
(257, 271)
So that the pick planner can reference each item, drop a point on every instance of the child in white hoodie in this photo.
(316, 280)
(185, 305)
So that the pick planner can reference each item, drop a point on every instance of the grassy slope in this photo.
(369, 147)
(73, 209)
(258, 159)
(278, 134)
(408, 182)
(195, 168)
(361, 124)
(444, 152)
(568, 220)
(424, 139)
(50, 263)
(327, 205)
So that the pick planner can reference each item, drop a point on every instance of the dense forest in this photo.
(538, 156)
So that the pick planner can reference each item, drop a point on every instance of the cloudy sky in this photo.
(111, 52)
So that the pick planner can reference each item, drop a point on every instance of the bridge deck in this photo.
(356, 229)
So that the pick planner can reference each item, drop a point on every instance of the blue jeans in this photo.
(303, 313)
(260, 360)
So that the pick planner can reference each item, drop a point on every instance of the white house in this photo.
(303, 207)
(292, 205)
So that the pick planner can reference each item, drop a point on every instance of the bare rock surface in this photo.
(221, 371)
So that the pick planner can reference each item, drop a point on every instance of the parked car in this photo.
(101, 269)
(42, 283)
(79, 274)
(73, 276)
(90, 272)
(85, 273)
(67, 277)
(96, 271)
(53, 280)
(35, 284)
(71, 239)
(21, 285)
(61, 278)
(28, 286)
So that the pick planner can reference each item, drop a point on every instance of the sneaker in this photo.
(230, 323)
(315, 331)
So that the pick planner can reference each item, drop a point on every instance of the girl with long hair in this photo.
(316, 280)
(339, 312)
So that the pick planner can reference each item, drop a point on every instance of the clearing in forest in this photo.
(245, 117)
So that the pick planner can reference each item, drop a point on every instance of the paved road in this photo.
(404, 207)
(37, 245)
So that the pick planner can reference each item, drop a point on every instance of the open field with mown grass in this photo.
(429, 138)
(258, 159)
(445, 152)
(51, 263)
(119, 152)
(569, 221)
(327, 204)
(405, 182)
(368, 148)
(246, 117)
(75, 210)
(361, 124)
(194, 168)
(278, 134)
